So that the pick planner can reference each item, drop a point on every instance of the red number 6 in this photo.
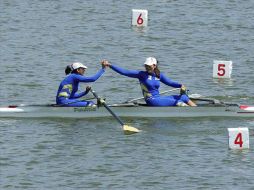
(140, 19)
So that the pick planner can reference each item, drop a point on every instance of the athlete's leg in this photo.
(162, 101)
(191, 103)
(184, 98)
(75, 103)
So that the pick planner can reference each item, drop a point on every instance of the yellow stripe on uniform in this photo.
(68, 86)
(145, 91)
(63, 94)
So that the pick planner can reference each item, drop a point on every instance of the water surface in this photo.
(39, 38)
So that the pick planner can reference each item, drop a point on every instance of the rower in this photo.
(67, 94)
(150, 82)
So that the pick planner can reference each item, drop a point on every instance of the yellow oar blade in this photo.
(128, 130)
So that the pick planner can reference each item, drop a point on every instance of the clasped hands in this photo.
(105, 63)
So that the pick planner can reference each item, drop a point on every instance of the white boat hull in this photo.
(133, 111)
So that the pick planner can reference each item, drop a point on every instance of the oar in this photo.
(133, 100)
(214, 101)
(126, 128)
(210, 100)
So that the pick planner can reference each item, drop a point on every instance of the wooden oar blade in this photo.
(128, 130)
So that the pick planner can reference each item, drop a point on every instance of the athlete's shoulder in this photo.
(72, 77)
(144, 73)
(75, 76)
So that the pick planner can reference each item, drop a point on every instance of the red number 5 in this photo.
(221, 70)
(239, 140)
(140, 19)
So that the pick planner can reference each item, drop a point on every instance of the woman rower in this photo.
(150, 83)
(67, 92)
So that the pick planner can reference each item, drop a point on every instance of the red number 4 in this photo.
(239, 140)
(221, 70)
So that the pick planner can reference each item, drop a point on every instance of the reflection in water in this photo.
(224, 82)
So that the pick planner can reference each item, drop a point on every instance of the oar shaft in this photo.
(127, 129)
(106, 106)
(113, 114)
(213, 101)
(171, 90)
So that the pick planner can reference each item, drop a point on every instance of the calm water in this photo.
(39, 38)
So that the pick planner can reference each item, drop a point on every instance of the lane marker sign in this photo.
(139, 17)
(222, 69)
(238, 138)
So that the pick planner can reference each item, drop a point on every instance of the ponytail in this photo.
(68, 69)
(157, 71)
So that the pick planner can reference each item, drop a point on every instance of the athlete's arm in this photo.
(93, 78)
(169, 82)
(125, 72)
(78, 95)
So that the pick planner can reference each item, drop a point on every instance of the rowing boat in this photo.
(211, 108)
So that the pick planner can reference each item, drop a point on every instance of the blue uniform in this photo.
(150, 85)
(67, 92)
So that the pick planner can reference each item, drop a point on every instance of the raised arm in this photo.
(93, 78)
(125, 72)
